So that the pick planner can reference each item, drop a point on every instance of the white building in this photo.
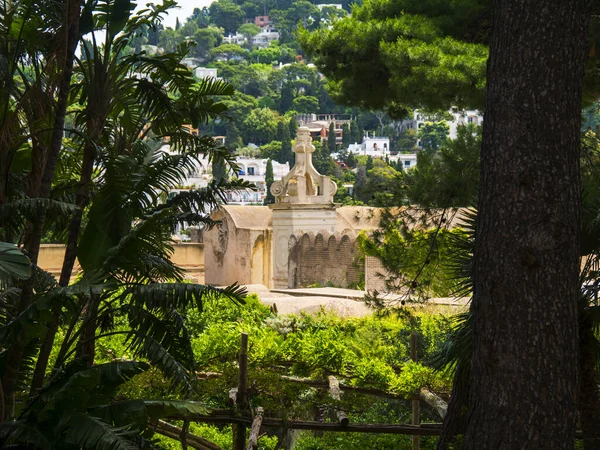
(205, 72)
(264, 38)
(409, 160)
(373, 146)
(459, 117)
(261, 40)
(191, 63)
(254, 170)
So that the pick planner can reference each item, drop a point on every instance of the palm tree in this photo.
(114, 168)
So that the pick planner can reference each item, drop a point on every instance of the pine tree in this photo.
(331, 142)
(269, 178)
(293, 128)
(286, 154)
(369, 165)
(177, 24)
(346, 136)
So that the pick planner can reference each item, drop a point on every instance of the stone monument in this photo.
(304, 204)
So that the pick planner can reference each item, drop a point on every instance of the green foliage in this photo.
(228, 51)
(400, 55)
(419, 261)
(448, 177)
(331, 140)
(305, 104)
(407, 141)
(346, 136)
(269, 178)
(272, 150)
(227, 15)
(286, 155)
(261, 125)
(13, 264)
(378, 184)
(433, 134)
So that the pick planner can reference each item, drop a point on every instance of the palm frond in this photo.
(164, 343)
(22, 432)
(140, 412)
(88, 432)
(13, 264)
(168, 296)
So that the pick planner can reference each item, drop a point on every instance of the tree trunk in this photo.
(526, 260)
(455, 421)
(68, 40)
(589, 395)
(81, 200)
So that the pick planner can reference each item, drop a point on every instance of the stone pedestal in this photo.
(291, 220)
(304, 204)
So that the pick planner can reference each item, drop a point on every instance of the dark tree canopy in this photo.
(397, 55)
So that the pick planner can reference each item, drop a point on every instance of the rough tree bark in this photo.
(524, 366)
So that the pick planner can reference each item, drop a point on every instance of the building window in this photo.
(250, 170)
(406, 163)
(384, 145)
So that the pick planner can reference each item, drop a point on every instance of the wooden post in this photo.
(239, 438)
(415, 401)
(255, 430)
(242, 393)
(334, 391)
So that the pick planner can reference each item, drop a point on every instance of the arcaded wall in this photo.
(324, 259)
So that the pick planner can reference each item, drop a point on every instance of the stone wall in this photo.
(375, 275)
(188, 256)
(238, 249)
(324, 259)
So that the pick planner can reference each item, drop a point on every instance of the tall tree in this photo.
(249, 30)
(346, 137)
(293, 127)
(279, 135)
(227, 15)
(355, 132)
(269, 178)
(523, 387)
(331, 140)
(286, 148)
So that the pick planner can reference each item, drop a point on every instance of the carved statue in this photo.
(303, 184)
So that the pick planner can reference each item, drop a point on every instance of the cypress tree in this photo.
(269, 178)
(219, 171)
(293, 128)
(351, 160)
(286, 148)
(355, 132)
(232, 136)
(286, 98)
(369, 165)
(280, 127)
(346, 136)
(177, 24)
(331, 143)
